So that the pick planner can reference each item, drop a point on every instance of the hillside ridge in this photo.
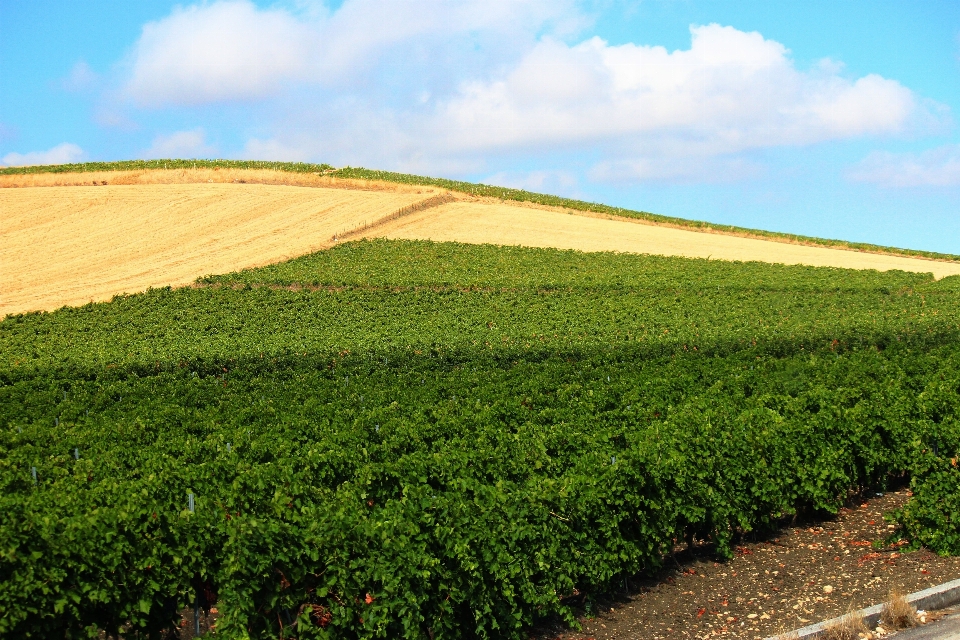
(478, 190)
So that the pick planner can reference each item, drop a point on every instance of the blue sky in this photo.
(834, 119)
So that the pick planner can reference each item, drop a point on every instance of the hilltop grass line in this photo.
(478, 190)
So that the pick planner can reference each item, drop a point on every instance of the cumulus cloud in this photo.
(729, 92)
(361, 29)
(458, 86)
(64, 153)
(232, 50)
(181, 144)
(938, 167)
(221, 51)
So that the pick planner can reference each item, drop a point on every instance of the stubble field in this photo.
(511, 224)
(70, 245)
(68, 239)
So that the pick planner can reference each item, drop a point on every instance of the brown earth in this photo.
(801, 575)
(70, 245)
(509, 224)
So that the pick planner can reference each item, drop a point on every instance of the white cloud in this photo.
(107, 114)
(556, 182)
(181, 144)
(65, 153)
(676, 168)
(232, 50)
(221, 51)
(731, 91)
(273, 149)
(459, 86)
(938, 167)
(360, 30)
(80, 78)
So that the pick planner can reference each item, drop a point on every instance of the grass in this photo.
(849, 627)
(898, 613)
(474, 189)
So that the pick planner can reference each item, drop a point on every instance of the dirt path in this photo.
(803, 574)
(483, 223)
(69, 245)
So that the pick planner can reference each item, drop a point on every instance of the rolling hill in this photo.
(115, 230)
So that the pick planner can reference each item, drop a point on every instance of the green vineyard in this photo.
(399, 439)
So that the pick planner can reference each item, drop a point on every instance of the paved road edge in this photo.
(938, 597)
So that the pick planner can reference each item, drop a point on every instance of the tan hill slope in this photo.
(509, 224)
(67, 239)
(70, 245)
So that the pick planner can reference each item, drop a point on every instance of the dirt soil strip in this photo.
(802, 575)
(423, 205)
(70, 245)
(931, 605)
(505, 224)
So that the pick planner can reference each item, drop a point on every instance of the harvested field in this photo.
(487, 223)
(203, 176)
(70, 245)
(69, 238)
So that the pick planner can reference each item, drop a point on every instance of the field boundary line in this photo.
(423, 205)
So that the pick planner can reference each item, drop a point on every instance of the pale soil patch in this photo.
(505, 224)
(68, 246)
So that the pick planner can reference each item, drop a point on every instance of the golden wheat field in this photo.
(67, 239)
(507, 224)
(70, 245)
